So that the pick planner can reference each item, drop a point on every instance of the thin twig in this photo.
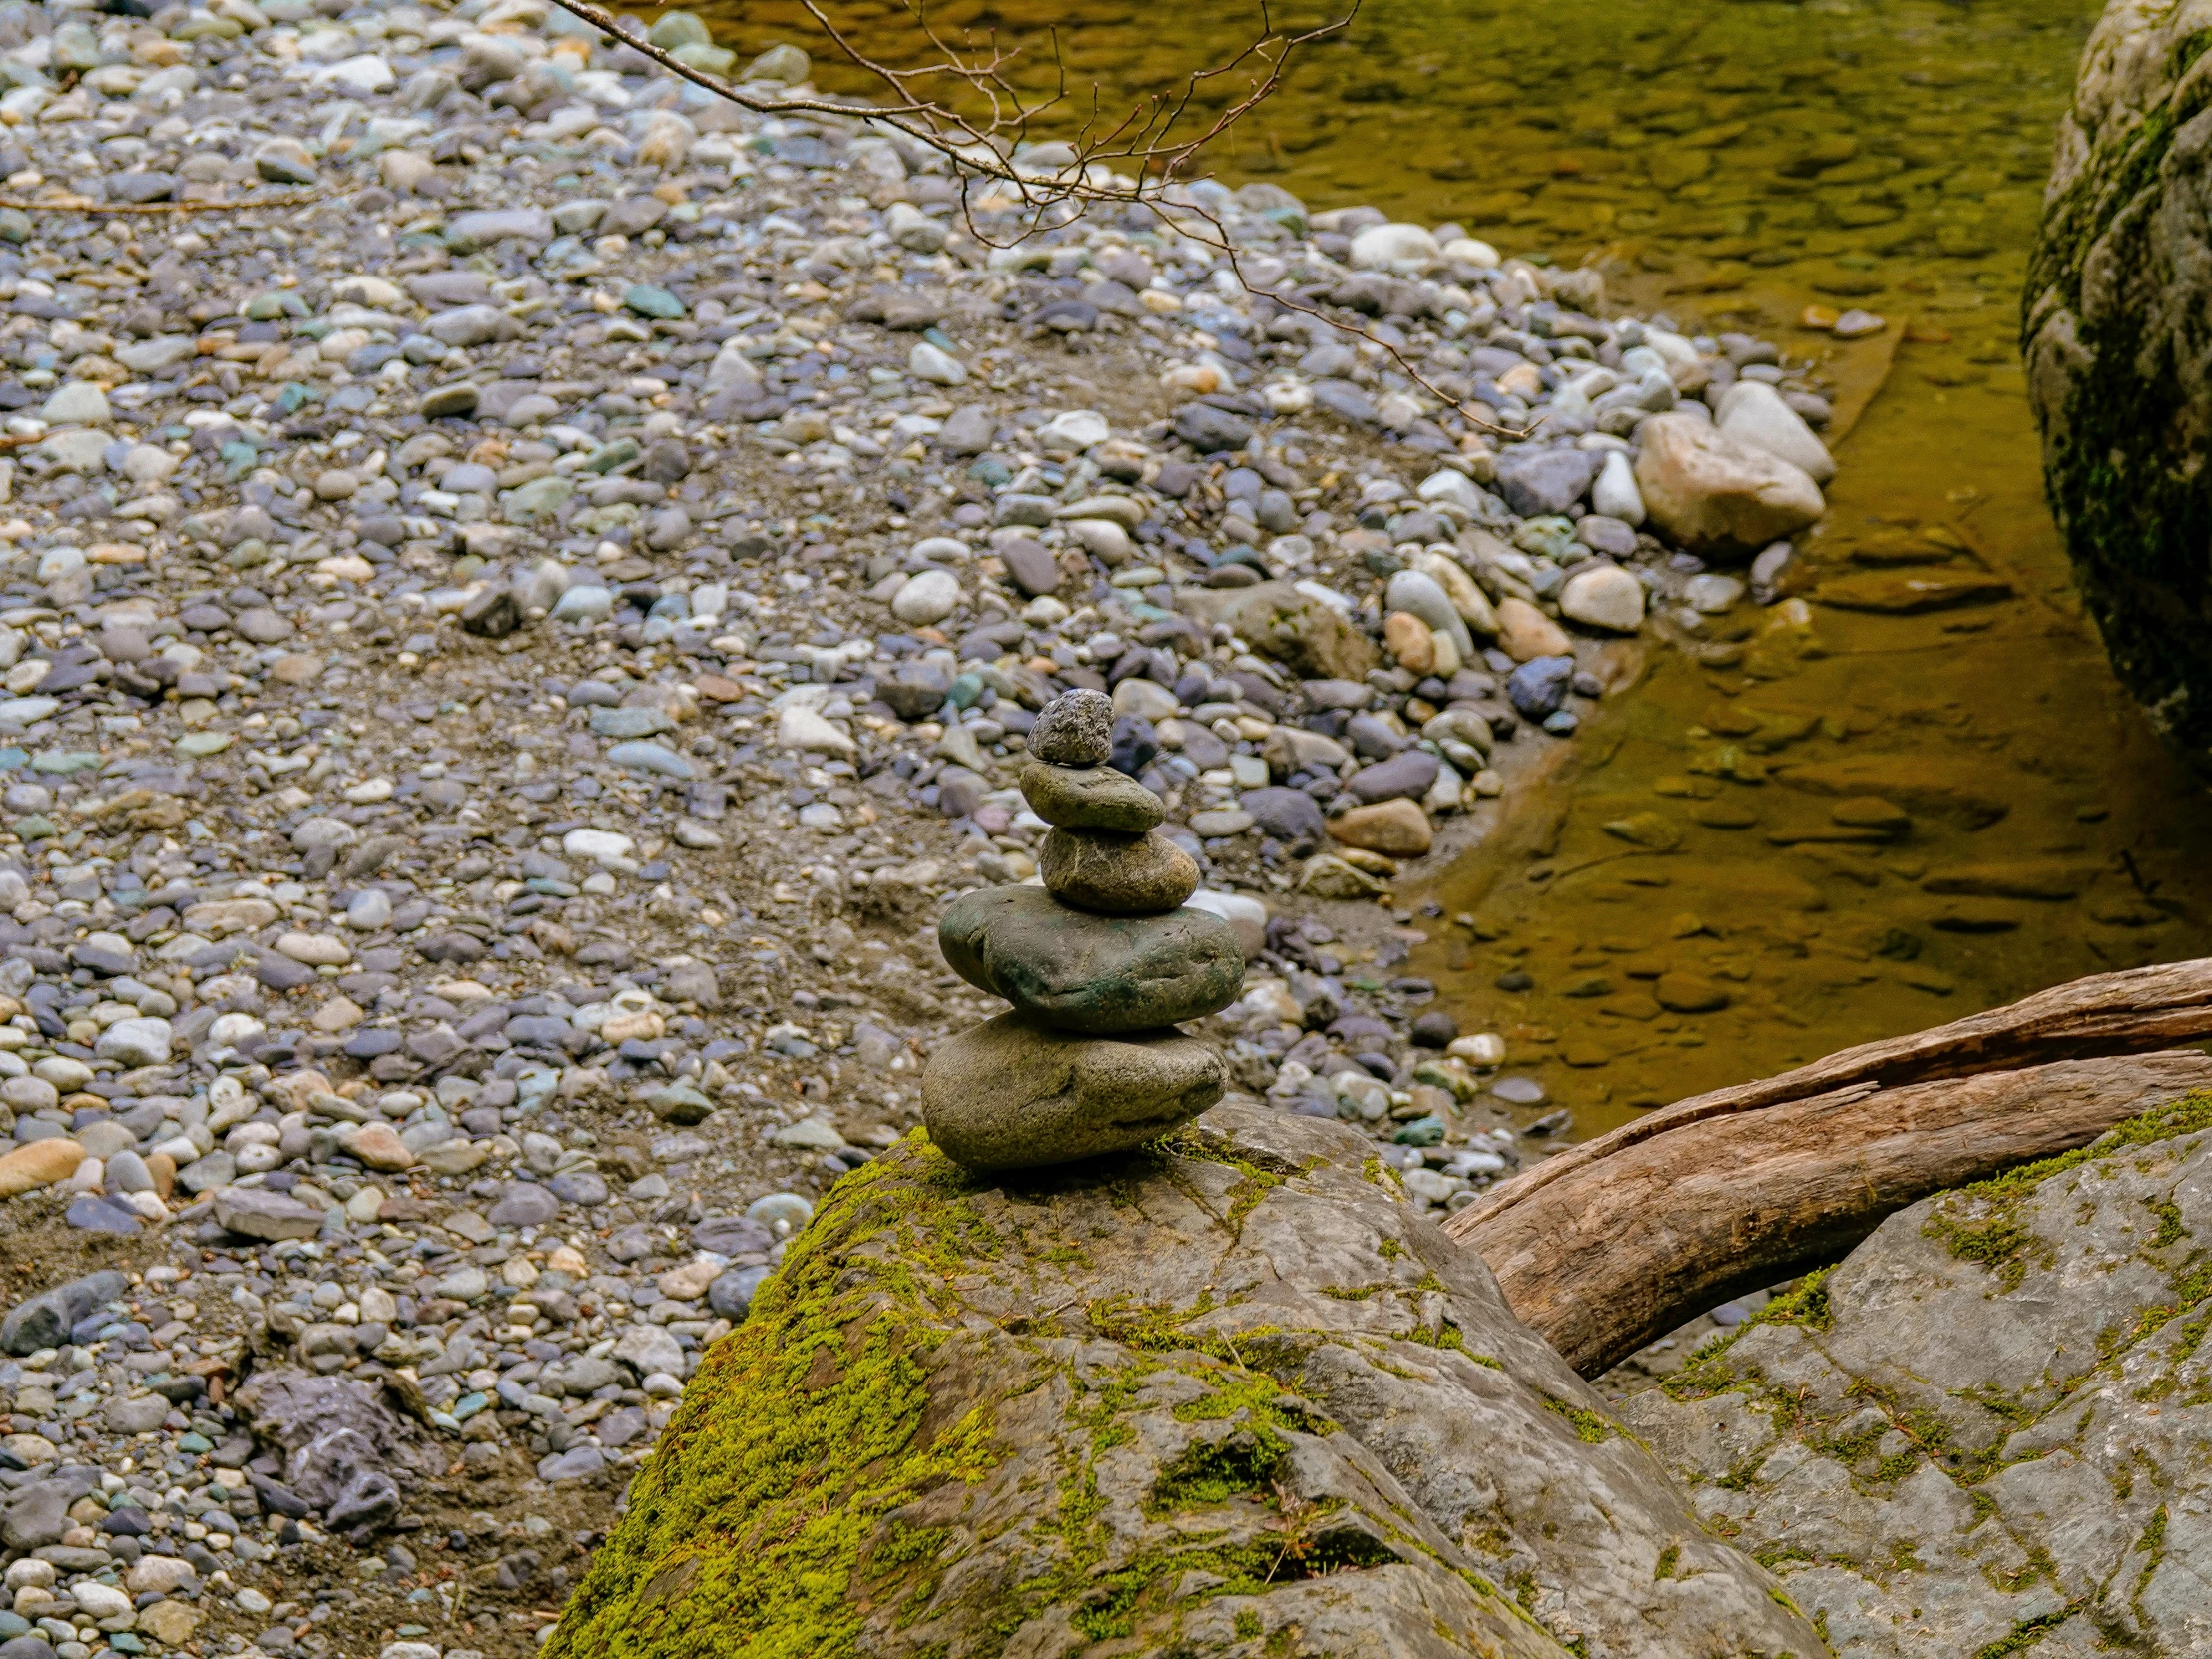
(85, 205)
(984, 146)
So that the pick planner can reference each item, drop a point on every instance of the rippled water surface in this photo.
(1786, 837)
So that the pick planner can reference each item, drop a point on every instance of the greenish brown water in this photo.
(1731, 164)
(1905, 141)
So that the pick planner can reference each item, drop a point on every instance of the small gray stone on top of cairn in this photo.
(1099, 966)
(1075, 729)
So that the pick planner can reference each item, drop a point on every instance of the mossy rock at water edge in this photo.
(1226, 1395)
(2119, 352)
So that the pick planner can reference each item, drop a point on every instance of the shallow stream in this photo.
(1804, 826)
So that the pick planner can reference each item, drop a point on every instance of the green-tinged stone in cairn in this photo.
(1011, 1094)
(1116, 874)
(1092, 973)
(1090, 798)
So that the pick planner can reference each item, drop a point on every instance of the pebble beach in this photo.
(524, 592)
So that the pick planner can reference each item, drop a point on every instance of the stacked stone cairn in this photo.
(1100, 963)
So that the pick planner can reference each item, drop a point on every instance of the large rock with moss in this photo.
(1990, 1428)
(1229, 1396)
(2115, 335)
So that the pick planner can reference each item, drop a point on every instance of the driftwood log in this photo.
(1619, 1240)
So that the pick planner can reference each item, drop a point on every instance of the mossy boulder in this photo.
(1227, 1395)
(1985, 1432)
(2116, 334)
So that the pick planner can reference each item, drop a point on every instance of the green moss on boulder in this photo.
(1114, 1409)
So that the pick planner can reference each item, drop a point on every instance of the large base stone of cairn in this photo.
(1013, 1094)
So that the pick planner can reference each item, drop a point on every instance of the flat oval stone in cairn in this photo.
(1097, 974)
(1090, 798)
(1099, 965)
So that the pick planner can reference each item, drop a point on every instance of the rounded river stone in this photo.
(1097, 974)
(1116, 874)
(1090, 798)
(1011, 1094)
(1075, 729)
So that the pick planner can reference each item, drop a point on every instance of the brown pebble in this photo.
(1410, 642)
(1689, 993)
(1870, 812)
(38, 1163)
(1398, 828)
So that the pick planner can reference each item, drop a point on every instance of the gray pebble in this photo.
(1075, 729)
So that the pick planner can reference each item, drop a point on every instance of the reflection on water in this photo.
(1890, 150)
(1857, 828)
(1803, 828)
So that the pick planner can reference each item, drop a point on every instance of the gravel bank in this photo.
(506, 662)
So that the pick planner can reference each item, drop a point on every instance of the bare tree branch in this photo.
(1144, 140)
(1150, 141)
